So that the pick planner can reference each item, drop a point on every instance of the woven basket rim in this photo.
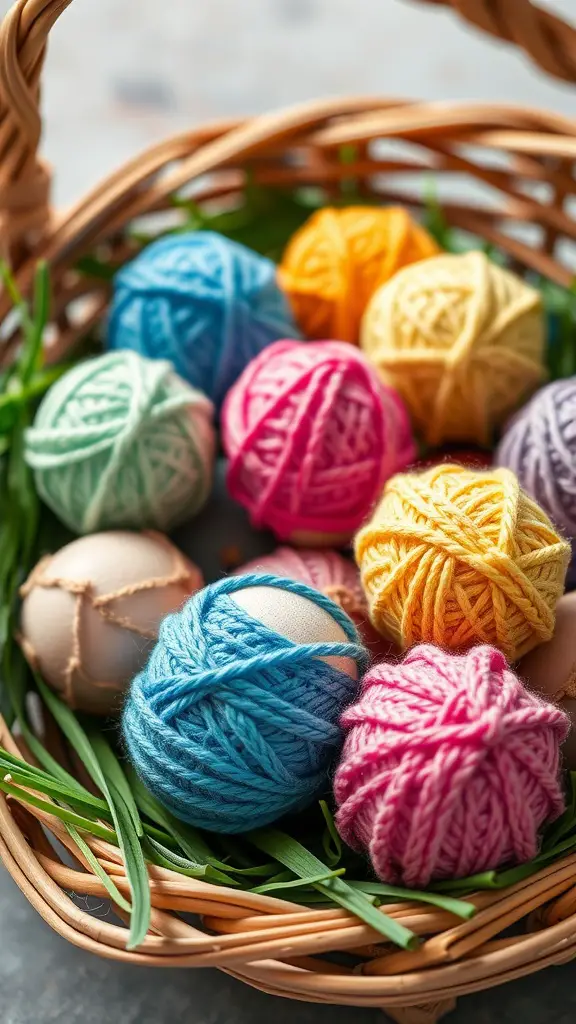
(266, 942)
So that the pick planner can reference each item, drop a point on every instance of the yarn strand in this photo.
(231, 724)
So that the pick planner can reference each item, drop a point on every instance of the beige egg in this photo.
(550, 669)
(298, 618)
(91, 612)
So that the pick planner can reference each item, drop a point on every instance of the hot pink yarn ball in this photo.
(311, 435)
(333, 575)
(450, 766)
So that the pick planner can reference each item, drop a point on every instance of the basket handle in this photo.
(545, 37)
(25, 179)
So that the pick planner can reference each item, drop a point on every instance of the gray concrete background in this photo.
(120, 75)
(124, 73)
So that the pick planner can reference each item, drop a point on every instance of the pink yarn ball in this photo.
(312, 434)
(325, 570)
(333, 575)
(450, 766)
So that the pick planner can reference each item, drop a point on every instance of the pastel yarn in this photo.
(122, 442)
(461, 339)
(539, 445)
(231, 724)
(334, 576)
(202, 301)
(450, 767)
(336, 261)
(458, 557)
(311, 435)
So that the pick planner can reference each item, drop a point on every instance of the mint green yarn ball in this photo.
(120, 441)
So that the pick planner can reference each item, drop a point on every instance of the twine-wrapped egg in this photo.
(450, 767)
(206, 303)
(90, 613)
(333, 575)
(311, 435)
(539, 445)
(122, 442)
(336, 261)
(461, 339)
(234, 720)
(458, 557)
(550, 669)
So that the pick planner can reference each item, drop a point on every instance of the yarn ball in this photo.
(333, 575)
(122, 441)
(450, 767)
(204, 302)
(234, 720)
(311, 435)
(461, 339)
(336, 261)
(540, 446)
(90, 612)
(459, 557)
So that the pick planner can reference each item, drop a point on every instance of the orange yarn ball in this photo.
(457, 557)
(336, 261)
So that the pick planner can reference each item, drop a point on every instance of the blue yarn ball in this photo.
(208, 304)
(232, 725)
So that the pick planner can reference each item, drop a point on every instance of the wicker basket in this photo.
(524, 157)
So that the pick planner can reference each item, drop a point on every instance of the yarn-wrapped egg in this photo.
(90, 613)
(459, 557)
(550, 669)
(450, 767)
(461, 339)
(234, 720)
(206, 303)
(337, 260)
(311, 435)
(333, 575)
(122, 442)
(539, 445)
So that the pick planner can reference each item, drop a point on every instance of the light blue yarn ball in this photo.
(231, 725)
(208, 304)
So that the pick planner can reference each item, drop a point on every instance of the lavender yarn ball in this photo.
(539, 445)
(206, 303)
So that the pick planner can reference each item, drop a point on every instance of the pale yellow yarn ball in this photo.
(461, 339)
(457, 557)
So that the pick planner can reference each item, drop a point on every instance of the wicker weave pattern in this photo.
(523, 161)
(546, 38)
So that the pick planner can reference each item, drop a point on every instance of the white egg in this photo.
(297, 618)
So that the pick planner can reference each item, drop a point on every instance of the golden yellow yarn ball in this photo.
(457, 557)
(461, 339)
(336, 261)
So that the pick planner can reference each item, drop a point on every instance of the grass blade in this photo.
(115, 777)
(110, 886)
(188, 838)
(331, 842)
(65, 815)
(128, 838)
(301, 862)
(454, 906)
(297, 883)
